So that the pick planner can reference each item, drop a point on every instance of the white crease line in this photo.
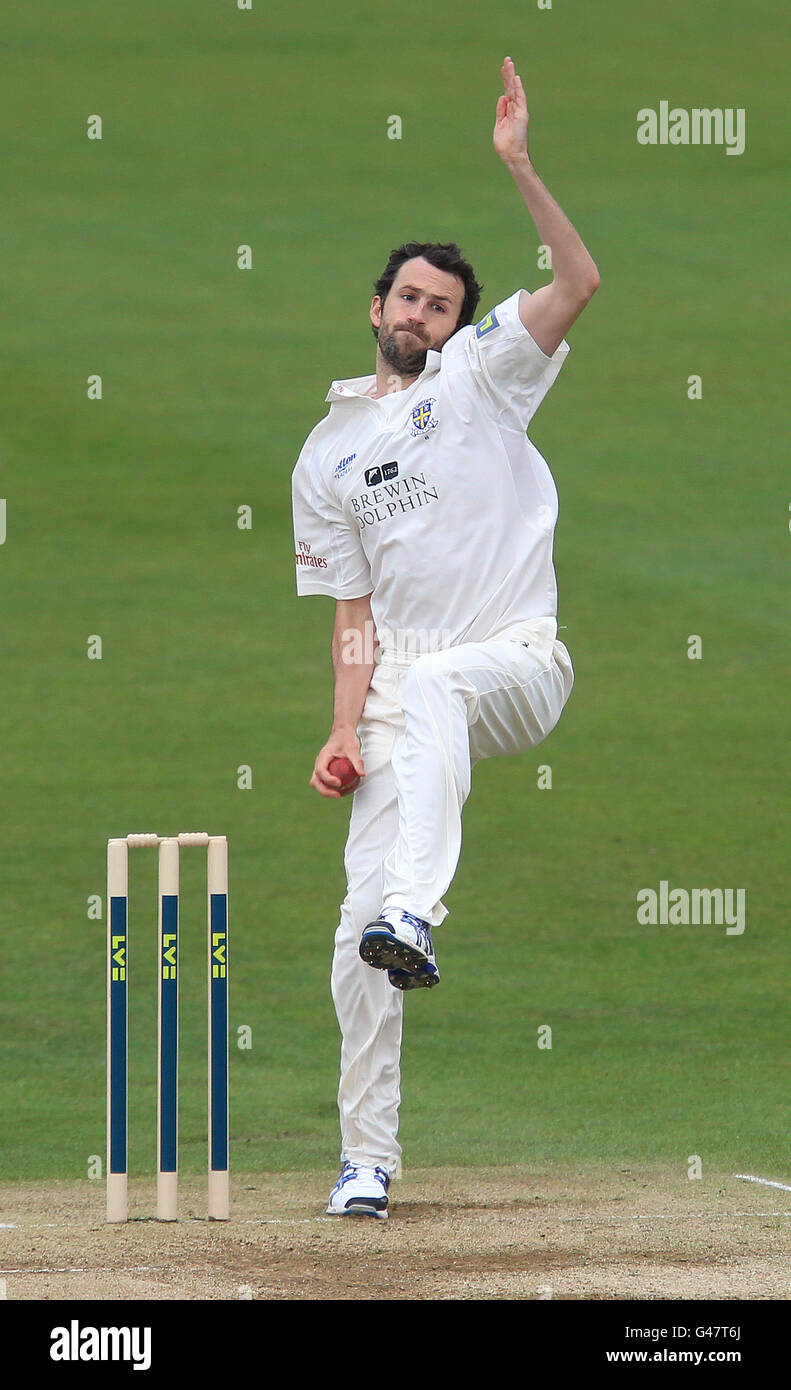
(283, 1220)
(649, 1216)
(187, 1221)
(98, 1269)
(765, 1182)
(673, 1216)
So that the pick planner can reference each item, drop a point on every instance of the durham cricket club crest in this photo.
(424, 419)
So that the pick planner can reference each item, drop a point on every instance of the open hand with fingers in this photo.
(510, 127)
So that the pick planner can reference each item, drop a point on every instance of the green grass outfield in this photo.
(268, 128)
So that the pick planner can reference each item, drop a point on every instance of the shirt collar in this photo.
(364, 386)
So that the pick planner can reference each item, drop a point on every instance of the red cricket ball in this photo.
(341, 767)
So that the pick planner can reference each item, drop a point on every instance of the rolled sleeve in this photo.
(508, 362)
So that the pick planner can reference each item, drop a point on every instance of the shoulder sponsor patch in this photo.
(487, 324)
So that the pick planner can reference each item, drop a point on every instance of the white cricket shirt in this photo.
(432, 499)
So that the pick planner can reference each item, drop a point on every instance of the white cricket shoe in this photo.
(400, 943)
(360, 1191)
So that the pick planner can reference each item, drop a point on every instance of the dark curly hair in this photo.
(444, 255)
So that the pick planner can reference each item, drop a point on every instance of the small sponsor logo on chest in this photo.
(374, 476)
(343, 467)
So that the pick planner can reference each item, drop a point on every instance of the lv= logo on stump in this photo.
(169, 848)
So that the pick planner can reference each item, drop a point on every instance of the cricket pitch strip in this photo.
(519, 1233)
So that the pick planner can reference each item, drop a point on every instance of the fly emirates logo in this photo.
(392, 497)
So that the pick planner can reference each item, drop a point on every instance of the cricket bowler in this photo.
(422, 507)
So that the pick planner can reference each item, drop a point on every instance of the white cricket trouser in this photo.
(425, 724)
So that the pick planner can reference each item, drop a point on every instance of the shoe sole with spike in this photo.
(384, 951)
